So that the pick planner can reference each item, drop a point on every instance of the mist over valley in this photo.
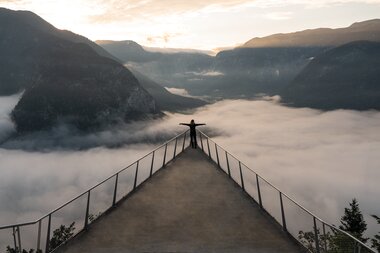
(302, 109)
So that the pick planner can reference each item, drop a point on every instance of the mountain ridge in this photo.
(166, 100)
(320, 37)
(244, 71)
(34, 21)
(64, 81)
(345, 77)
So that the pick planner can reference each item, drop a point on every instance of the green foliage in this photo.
(16, 250)
(61, 235)
(92, 217)
(337, 242)
(376, 240)
(341, 243)
(353, 222)
(308, 240)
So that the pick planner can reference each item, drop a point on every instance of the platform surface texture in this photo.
(188, 206)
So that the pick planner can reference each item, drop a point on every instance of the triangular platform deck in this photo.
(189, 206)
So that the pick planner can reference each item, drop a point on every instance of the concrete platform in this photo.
(189, 206)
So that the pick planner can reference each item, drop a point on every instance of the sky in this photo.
(198, 24)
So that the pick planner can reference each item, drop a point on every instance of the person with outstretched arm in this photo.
(193, 132)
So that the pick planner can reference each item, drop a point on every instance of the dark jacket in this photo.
(192, 127)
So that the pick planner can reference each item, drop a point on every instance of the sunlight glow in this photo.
(198, 23)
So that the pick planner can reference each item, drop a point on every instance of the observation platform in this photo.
(189, 206)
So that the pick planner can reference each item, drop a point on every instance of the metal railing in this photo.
(89, 205)
(309, 230)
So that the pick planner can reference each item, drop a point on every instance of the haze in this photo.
(322, 159)
(195, 24)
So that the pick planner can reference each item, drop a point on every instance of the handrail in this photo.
(287, 196)
(16, 227)
(295, 202)
(91, 188)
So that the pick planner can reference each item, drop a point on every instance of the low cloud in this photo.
(322, 159)
(178, 91)
(6, 106)
(206, 73)
(211, 73)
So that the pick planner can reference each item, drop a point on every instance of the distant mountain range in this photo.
(68, 78)
(322, 37)
(167, 69)
(128, 50)
(345, 77)
(267, 65)
(165, 100)
(115, 45)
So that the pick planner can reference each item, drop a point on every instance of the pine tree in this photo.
(376, 240)
(61, 235)
(353, 222)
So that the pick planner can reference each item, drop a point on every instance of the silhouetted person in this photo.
(193, 133)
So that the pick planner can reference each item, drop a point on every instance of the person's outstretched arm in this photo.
(202, 124)
(185, 124)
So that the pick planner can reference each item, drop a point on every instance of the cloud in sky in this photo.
(196, 24)
(165, 38)
(114, 10)
(279, 15)
(119, 9)
(308, 3)
(12, 1)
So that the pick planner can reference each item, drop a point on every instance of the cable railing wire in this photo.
(321, 237)
(46, 219)
(314, 240)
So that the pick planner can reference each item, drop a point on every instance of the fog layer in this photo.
(6, 105)
(322, 159)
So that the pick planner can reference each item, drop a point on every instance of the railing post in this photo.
(316, 235)
(217, 155)
(184, 140)
(208, 147)
(19, 239)
(356, 247)
(175, 148)
(228, 165)
(324, 236)
(166, 148)
(200, 137)
(115, 190)
(359, 247)
(137, 172)
(39, 236)
(14, 237)
(241, 177)
(87, 209)
(282, 213)
(258, 191)
(47, 248)
(151, 165)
